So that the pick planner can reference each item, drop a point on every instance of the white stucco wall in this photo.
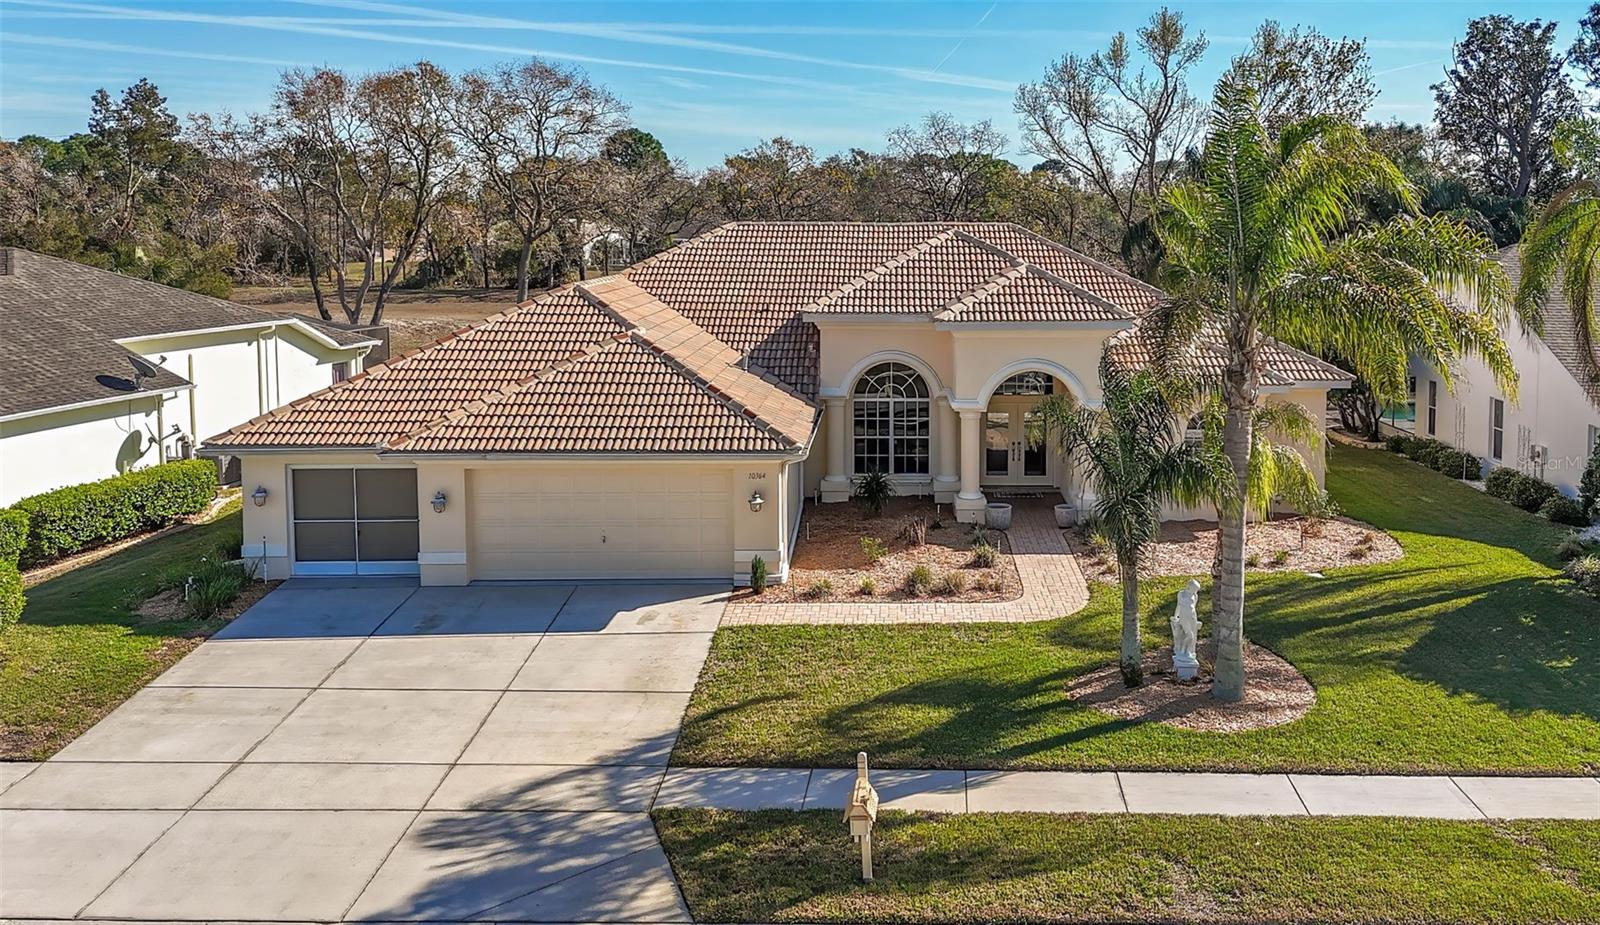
(1551, 410)
(62, 448)
(237, 375)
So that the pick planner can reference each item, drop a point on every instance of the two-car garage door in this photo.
(600, 521)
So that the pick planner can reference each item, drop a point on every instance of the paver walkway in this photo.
(1052, 586)
(1445, 797)
(374, 751)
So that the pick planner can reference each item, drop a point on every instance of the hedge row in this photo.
(1436, 455)
(13, 534)
(1519, 489)
(79, 517)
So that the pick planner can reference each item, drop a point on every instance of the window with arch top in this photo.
(890, 406)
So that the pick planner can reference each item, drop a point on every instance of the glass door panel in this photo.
(1034, 458)
(997, 443)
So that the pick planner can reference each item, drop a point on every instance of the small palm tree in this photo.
(1135, 458)
(1560, 243)
(1270, 242)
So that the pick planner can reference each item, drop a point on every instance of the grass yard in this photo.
(1470, 653)
(782, 866)
(80, 650)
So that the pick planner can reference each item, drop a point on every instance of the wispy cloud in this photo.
(1406, 67)
(612, 32)
(284, 25)
(52, 41)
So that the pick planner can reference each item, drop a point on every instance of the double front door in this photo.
(1015, 450)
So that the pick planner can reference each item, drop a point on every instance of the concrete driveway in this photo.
(369, 750)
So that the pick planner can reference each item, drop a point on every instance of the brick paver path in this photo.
(1052, 586)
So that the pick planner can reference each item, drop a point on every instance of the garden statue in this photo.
(1185, 631)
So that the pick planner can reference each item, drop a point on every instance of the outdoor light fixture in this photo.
(259, 496)
(756, 501)
(438, 501)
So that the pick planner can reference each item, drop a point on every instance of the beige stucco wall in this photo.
(444, 538)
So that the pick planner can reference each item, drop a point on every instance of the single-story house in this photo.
(74, 409)
(1551, 427)
(670, 420)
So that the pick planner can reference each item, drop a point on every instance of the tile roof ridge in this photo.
(886, 267)
(1077, 255)
(482, 402)
(1017, 270)
(1304, 355)
(696, 377)
(706, 235)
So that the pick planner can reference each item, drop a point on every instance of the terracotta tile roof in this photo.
(702, 348)
(1284, 366)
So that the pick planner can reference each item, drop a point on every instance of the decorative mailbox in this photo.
(862, 812)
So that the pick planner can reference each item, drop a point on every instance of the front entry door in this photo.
(1014, 445)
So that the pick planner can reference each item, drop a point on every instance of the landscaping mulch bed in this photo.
(168, 606)
(1286, 544)
(830, 565)
(1276, 693)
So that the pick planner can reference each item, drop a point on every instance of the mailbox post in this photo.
(862, 813)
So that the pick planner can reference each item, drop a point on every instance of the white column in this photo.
(836, 484)
(948, 437)
(970, 502)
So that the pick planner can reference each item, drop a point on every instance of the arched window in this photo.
(1029, 383)
(891, 421)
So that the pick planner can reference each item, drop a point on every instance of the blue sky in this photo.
(706, 78)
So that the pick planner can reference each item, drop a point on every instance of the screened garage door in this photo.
(601, 522)
(354, 521)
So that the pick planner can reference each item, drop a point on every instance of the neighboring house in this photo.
(71, 410)
(669, 421)
(1554, 423)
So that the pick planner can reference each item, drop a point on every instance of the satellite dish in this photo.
(143, 369)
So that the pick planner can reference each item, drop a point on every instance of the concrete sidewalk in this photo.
(1439, 797)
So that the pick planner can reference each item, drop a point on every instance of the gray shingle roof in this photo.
(1560, 334)
(59, 321)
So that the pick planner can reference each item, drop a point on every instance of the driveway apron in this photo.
(372, 751)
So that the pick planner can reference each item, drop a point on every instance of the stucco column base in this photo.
(945, 488)
(443, 575)
(835, 489)
(970, 510)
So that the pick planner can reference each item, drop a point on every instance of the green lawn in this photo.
(79, 650)
(1470, 653)
(782, 866)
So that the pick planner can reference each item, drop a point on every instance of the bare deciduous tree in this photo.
(1300, 73)
(948, 171)
(531, 128)
(777, 181)
(1122, 131)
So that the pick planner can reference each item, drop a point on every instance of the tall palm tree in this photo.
(1563, 241)
(1135, 458)
(1269, 244)
(1277, 468)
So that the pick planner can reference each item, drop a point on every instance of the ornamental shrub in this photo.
(1563, 510)
(874, 490)
(758, 574)
(79, 517)
(1519, 489)
(1397, 443)
(874, 549)
(13, 534)
(11, 597)
(920, 581)
(1585, 572)
(1589, 483)
(1458, 464)
(1426, 451)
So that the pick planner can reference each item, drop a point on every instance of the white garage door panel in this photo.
(601, 522)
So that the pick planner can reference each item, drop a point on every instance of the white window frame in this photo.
(1433, 407)
(353, 567)
(1497, 429)
(902, 413)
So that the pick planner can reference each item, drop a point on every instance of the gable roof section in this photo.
(1560, 334)
(599, 367)
(63, 321)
